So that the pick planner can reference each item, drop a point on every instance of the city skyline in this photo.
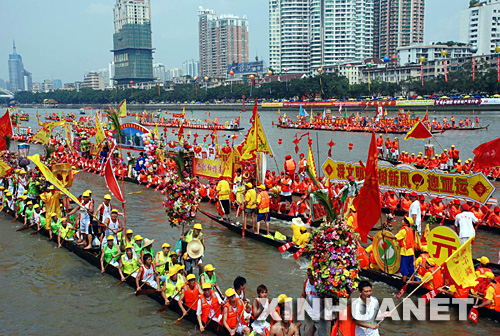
(67, 39)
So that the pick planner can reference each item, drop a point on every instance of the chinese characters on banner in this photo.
(441, 243)
(474, 187)
(208, 168)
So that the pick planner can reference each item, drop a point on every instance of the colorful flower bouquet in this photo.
(181, 200)
(333, 252)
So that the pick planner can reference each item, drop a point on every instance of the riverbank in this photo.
(230, 107)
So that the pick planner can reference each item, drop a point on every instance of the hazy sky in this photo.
(66, 38)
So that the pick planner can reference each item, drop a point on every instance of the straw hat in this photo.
(298, 221)
(195, 249)
(148, 242)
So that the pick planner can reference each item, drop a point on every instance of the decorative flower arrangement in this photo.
(333, 252)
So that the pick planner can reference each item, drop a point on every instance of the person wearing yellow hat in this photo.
(162, 258)
(28, 214)
(250, 206)
(263, 203)
(138, 245)
(223, 192)
(209, 305)
(103, 212)
(110, 253)
(85, 211)
(189, 294)
(19, 207)
(22, 182)
(38, 219)
(173, 284)
(9, 204)
(482, 269)
(51, 199)
(194, 234)
(126, 239)
(66, 232)
(55, 223)
(492, 294)
(433, 277)
(113, 225)
(406, 239)
(147, 273)
(210, 277)
(232, 313)
(128, 263)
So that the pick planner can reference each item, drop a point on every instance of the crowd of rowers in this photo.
(448, 160)
(365, 123)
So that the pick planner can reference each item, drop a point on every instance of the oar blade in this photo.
(401, 292)
(473, 315)
(162, 309)
(145, 292)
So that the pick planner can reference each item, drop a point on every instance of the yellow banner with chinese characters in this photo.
(460, 266)
(208, 168)
(405, 178)
(43, 135)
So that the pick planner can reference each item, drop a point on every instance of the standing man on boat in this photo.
(290, 165)
(349, 191)
(406, 239)
(85, 211)
(250, 206)
(464, 224)
(223, 191)
(263, 202)
(415, 211)
(286, 191)
(50, 199)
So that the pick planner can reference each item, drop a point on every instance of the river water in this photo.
(46, 290)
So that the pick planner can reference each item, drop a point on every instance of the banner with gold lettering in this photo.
(208, 168)
(405, 178)
(441, 243)
(459, 268)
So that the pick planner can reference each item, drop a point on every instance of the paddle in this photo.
(474, 314)
(180, 318)
(119, 282)
(285, 247)
(215, 314)
(23, 228)
(145, 291)
(402, 291)
(164, 307)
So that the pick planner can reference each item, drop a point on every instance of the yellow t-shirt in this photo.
(401, 235)
(250, 198)
(296, 232)
(239, 194)
(259, 198)
(490, 295)
(303, 240)
(223, 189)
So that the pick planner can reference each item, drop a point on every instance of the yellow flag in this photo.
(310, 162)
(4, 169)
(68, 131)
(228, 167)
(43, 135)
(183, 111)
(460, 266)
(51, 178)
(122, 109)
(99, 132)
(155, 131)
(255, 141)
(279, 112)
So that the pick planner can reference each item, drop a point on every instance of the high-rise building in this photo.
(308, 34)
(172, 73)
(57, 84)
(159, 71)
(132, 45)
(223, 40)
(19, 78)
(94, 81)
(191, 68)
(2, 84)
(480, 26)
(47, 85)
(397, 24)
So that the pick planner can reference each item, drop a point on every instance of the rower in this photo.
(189, 294)
(263, 202)
(260, 312)
(482, 269)
(492, 294)
(173, 284)
(147, 247)
(285, 327)
(66, 232)
(147, 273)
(37, 217)
(232, 314)
(110, 253)
(431, 281)
(250, 206)
(494, 218)
(209, 305)
(128, 263)
(209, 277)
(125, 239)
(54, 224)
(162, 258)
(9, 204)
(113, 225)
(138, 245)
(28, 214)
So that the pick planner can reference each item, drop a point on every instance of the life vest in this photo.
(482, 271)
(495, 304)
(395, 145)
(129, 265)
(290, 165)
(380, 142)
(109, 252)
(302, 164)
(437, 279)
(190, 237)
(494, 219)
(285, 184)
(190, 295)
(393, 201)
(264, 200)
(202, 191)
(437, 208)
(422, 270)
(162, 258)
(409, 241)
(207, 307)
(405, 204)
(212, 280)
(235, 315)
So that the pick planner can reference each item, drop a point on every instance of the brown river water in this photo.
(49, 291)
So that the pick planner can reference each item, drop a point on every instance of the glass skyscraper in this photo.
(19, 79)
(132, 43)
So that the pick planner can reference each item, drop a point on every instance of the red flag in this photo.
(419, 131)
(5, 129)
(426, 116)
(180, 135)
(401, 292)
(111, 182)
(369, 195)
(487, 154)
